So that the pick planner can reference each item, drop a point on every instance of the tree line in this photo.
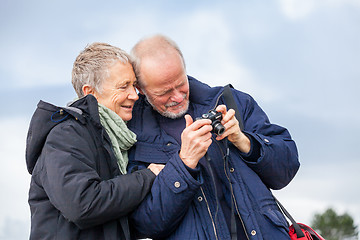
(333, 226)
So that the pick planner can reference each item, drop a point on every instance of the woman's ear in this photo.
(87, 89)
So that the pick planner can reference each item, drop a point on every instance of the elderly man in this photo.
(212, 187)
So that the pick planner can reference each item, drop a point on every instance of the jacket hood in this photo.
(201, 93)
(47, 116)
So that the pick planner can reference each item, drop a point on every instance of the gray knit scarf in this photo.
(122, 138)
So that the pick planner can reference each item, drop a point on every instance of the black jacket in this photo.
(76, 189)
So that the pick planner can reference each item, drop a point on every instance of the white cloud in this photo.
(205, 37)
(207, 48)
(296, 9)
(299, 9)
(319, 186)
(14, 229)
(14, 178)
(33, 65)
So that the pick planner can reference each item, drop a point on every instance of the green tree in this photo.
(335, 227)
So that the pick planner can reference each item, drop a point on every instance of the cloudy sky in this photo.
(300, 59)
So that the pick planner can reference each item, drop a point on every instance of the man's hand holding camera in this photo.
(232, 130)
(196, 137)
(195, 140)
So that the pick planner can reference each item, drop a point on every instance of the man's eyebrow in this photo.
(162, 92)
(170, 89)
(165, 91)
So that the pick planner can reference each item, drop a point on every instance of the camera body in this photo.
(215, 118)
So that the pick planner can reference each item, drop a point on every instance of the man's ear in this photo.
(87, 89)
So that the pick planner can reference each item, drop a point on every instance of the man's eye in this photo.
(163, 94)
(123, 86)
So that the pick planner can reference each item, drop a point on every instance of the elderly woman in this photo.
(77, 155)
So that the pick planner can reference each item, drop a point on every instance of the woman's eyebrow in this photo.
(125, 82)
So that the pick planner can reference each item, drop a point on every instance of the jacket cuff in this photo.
(185, 172)
(254, 154)
(148, 173)
(193, 171)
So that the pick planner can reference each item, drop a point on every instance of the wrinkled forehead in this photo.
(162, 72)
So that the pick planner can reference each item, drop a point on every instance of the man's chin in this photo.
(169, 114)
(177, 114)
(173, 115)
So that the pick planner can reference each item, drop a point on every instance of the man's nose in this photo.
(177, 96)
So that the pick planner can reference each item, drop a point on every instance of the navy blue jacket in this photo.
(77, 191)
(181, 207)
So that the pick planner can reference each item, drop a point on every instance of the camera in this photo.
(215, 118)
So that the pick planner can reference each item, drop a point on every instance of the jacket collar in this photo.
(201, 93)
(87, 105)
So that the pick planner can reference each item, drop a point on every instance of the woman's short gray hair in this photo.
(92, 64)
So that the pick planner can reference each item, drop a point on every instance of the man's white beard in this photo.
(169, 114)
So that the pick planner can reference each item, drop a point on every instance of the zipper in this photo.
(232, 194)
(208, 208)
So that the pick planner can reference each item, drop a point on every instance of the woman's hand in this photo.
(156, 168)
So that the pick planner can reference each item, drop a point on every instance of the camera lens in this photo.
(218, 128)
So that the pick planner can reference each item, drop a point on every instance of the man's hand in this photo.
(156, 168)
(232, 130)
(195, 140)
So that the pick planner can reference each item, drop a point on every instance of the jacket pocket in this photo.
(275, 217)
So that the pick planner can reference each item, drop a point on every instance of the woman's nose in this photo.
(133, 94)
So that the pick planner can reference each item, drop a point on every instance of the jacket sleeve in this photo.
(71, 182)
(278, 161)
(171, 194)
